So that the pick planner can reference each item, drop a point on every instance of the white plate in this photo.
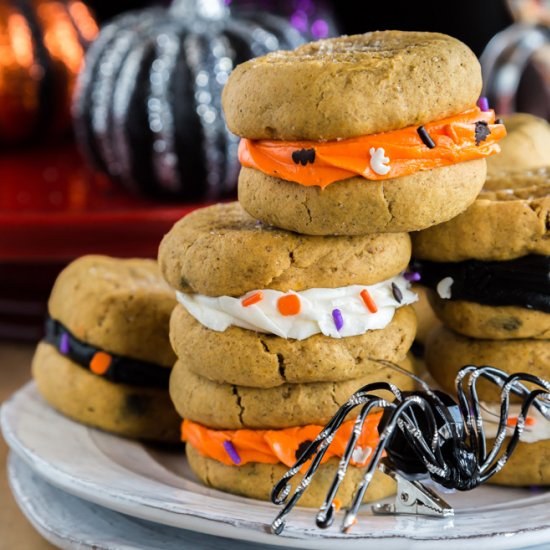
(157, 485)
(70, 523)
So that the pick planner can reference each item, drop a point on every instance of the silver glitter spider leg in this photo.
(385, 436)
(325, 516)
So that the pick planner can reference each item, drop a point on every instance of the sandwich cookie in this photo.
(489, 268)
(369, 133)
(105, 360)
(259, 434)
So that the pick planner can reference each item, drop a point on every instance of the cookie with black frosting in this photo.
(106, 358)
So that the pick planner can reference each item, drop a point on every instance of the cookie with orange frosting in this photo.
(362, 134)
(106, 358)
(252, 436)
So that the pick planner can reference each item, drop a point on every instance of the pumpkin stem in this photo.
(211, 10)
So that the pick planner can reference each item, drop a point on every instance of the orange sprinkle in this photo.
(369, 302)
(513, 420)
(253, 299)
(100, 362)
(337, 504)
(289, 305)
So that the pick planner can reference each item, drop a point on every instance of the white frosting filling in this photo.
(315, 316)
(537, 429)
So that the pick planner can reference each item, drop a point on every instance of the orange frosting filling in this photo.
(274, 446)
(404, 151)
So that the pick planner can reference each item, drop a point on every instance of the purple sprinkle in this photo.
(319, 29)
(232, 452)
(483, 103)
(338, 319)
(64, 343)
(413, 276)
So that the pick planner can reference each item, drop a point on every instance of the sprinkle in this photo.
(513, 420)
(302, 448)
(232, 452)
(412, 276)
(369, 302)
(483, 104)
(64, 343)
(499, 121)
(253, 299)
(100, 362)
(303, 156)
(338, 319)
(444, 288)
(482, 131)
(397, 294)
(289, 304)
(425, 137)
(337, 504)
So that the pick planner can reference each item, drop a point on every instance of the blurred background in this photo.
(103, 156)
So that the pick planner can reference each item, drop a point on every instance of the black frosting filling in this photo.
(523, 282)
(122, 370)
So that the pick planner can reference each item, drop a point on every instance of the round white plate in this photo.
(157, 485)
(70, 523)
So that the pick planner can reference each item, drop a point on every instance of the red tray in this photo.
(54, 209)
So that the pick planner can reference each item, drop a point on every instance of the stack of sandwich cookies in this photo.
(489, 271)
(106, 358)
(273, 332)
(371, 133)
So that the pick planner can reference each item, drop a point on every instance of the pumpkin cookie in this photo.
(227, 406)
(447, 352)
(526, 146)
(356, 206)
(132, 411)
(256, 479)
(107, 358)
(221, 250)
(248, 358)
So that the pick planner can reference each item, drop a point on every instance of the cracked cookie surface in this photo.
(357, 206)
(248, 358)
(256, 480)
(221, 250)
(232, 407)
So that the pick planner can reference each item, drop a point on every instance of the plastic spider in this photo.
(425, 434)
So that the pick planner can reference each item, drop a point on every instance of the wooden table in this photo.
(16, 533)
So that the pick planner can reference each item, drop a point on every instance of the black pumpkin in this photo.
(148, 102)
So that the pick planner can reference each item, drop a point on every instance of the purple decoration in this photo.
(338, 319)
(483, 103)
(319, 29)
(412, 276)
(232, 452)
(64, 343)
(299, 20)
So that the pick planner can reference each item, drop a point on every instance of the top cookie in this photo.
(120, 306)
(526, 147)
(221, 250)
(352, 86)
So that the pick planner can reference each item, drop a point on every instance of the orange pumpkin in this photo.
(42, 45)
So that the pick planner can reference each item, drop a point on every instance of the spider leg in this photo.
(513, 384)
(499, 464)
(385, 436)
(325, 515)
(318, 447)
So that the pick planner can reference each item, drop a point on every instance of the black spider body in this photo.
(463, 467)
(423, 433)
